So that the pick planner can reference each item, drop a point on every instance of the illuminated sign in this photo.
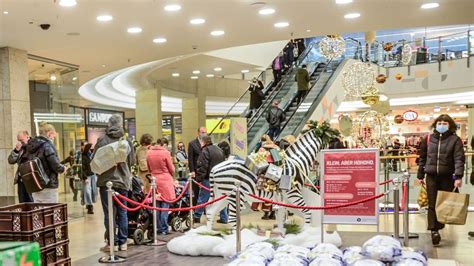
(100, 117)
(410, 115)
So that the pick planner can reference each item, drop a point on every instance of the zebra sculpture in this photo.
(298, 160)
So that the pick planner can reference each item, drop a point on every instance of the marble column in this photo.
(148, 112)
(193, 115)
(14, 113)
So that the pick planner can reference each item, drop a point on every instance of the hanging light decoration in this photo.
(356, 79)
(406, 54)
(370, 96)
(332, 46)
(372, 129)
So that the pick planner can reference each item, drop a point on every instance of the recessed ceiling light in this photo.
(210, 75)
(245, 71)
(352, 15)
(103, 65)
(52, 77)
(134, 30)
(197, 21)
(175, 74)
(266, 11)
(217, 33)
(343, 2)
(67, 3)
(218, 69)
(172, 8)
(429, 5)
(282, 24)
(5, 12)
(104, 18)
(159, 40)
(74, 78)
(308, 30)
(194, 77)
(195, 72)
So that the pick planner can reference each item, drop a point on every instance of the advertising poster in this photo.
(349, 176)
(238, 137)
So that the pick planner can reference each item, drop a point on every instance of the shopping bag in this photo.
(423, 197)
(256, 163)
(451, 208)
(274, 172)
(276, 157)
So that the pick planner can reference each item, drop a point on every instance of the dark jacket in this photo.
(302, 77)
(211, 156)
(119, 175)
(86, 165)
(194, 150)
(275, 116)
(18, 157)
(443, 156)
(44, 149)
(256, 95)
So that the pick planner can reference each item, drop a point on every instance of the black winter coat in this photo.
(194, 151)
(44, 149)
(211, 156)
(86, 166)
(256, 95)
(443, 156)
(275, 116)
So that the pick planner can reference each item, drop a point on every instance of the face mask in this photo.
(442, 128)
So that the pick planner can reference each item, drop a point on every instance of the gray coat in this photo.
(119, 175)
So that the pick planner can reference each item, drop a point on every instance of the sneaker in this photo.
(197, 220)
(106, 248)
(123, 247)
(435, 238)
(471, 233)
(221, 221)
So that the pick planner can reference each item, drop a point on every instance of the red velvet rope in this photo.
(404, 196)
(162, 209)
(178, 197)
(201, 186)
(316, 207)
(138, 207)
(386, 182)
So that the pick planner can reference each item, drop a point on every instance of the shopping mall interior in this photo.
(316, 125)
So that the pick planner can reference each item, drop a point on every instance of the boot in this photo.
(272, 215)
(471, 234)
(435, 238)
(266, 216)
(90, 209)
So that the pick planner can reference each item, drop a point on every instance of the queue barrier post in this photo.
(406, 213)
(396, 208)
(191, 200)
(155, 241)
(238, 245)
(111, 258)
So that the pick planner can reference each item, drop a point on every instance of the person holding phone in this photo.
(18, 156)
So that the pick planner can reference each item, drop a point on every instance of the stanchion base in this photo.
(410, 235)
(112, 259)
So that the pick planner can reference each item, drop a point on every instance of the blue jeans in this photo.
(162, 217)
(204, 196)
(273, 132)
(89, 189)
(120, 216)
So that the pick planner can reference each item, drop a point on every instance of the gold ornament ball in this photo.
(398, 119)
(398, 76)
(388, 47)
(381, 79)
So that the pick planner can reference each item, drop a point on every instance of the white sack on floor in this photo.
(193, 244)
(310, 237)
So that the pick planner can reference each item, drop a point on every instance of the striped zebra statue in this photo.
(299, 158)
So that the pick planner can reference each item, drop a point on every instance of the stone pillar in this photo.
(14, 113)
(148, 112)
(193, 115)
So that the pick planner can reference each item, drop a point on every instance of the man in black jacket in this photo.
(194, 151)
(43, 148)
(18, 156)
(275, 116)
(211, 156)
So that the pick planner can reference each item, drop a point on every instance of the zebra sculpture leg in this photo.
(295, 197)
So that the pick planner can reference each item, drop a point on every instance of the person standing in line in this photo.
(18, 156)
(275, 117)
(211, 156)
(43, 148)
(182, 159)
(165, 144)
(194, 151)
(120, 176)
(142, 150)
(277, 67)
(256, 96)
(89, 179)
(160, 165)
(442, 162)
(302, 78)
(70, 173)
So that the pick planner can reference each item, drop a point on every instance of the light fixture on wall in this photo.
(67, 3)
(52, 77)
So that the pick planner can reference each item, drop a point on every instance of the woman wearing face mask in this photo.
(442, 161)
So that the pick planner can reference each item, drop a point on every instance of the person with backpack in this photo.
(120, 176)
(42, 148)
(145, 144)
(18, 156)
(275, 117)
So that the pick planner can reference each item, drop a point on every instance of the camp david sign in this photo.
(99, 117)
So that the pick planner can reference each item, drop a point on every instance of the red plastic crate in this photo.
(30, 217)
(56, 254)
(45, 237)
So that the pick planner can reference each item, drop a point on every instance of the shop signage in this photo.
(349, 176)
(410, 115)
(99, 117)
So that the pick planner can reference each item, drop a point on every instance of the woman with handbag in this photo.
(89, 179)
(442, 161)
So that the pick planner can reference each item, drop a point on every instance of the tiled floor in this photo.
(86, 237)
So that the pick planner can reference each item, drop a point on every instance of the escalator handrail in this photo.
(297, 107)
